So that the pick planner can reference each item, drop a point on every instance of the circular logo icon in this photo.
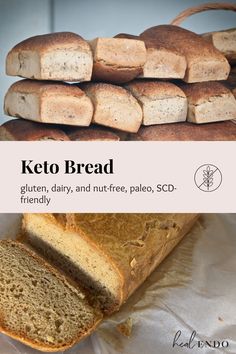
(208, 178)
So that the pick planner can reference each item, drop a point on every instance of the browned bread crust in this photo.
(158, 89)
(92, 133)
(46, 88)
(23, 130)
(220, 131)
(51, 41)
(202, 91)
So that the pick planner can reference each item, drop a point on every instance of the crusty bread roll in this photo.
(204, 61)
(209, 102)
(114, 106)
(117, 60)
(220, 131)
(49, 102)
(161, 102)
(92, 133)
(225, 42)
(111, 253)
(23, 130)
(38, 305)
(163, 60)
(62, 56)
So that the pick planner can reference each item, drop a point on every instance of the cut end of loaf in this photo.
(169, 110)
(210, 70)
(215, 109)
(37, 305)
(117, 59)
(163, 64)
(72, 253)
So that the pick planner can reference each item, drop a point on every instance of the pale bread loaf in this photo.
(62, 56)
(204, 61)
(48, 102)
(161, 102)
(117, 60)
(111, 253)
(209, 102)
(114, 106)
(38, 305)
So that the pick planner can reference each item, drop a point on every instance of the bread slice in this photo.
(163, 60)
(225, 42)
(112, 253)
(209, 102)
(23, 130)
(114, 106)
(39, 306)
(220, 131)
(204, 61)
(117, 60)
(62, 56)
(162, 102)
(48, 102)
(92, 133)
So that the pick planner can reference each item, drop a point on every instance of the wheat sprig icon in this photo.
(208, 177)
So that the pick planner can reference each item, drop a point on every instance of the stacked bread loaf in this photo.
(71, 270)
(165, 75)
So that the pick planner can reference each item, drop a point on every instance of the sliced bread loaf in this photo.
(110, 253)
(62, 56)
(48, 102)
(39, 306)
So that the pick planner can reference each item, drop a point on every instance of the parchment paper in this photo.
(194, 289)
